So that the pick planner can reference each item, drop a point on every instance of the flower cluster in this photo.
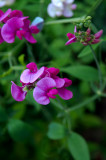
(61, 7)
(45, 82)
(15, 24)
(85, 38)
(6, 2)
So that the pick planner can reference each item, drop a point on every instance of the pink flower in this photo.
(17, 92)
(44, 91)
(63, 92)
(52, 72)
(27, 32)
(97, 36)
(72, 38)
(31, 74)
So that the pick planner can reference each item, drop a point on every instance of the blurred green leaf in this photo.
(82, 72)
(21, 59)
(18, 110)
(20, 131)
(56, 131)
(86, 51)
(78, 147)
(3, 115)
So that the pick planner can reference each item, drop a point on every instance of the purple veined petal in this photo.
(67, 12)
(32, 67)
(59, 82)
(98, 34)
(28, 36)
(58, 3)
(29, 77)
(64, 93)
(17, 92)
(1, 38)
(2, 3)
(46, 84)
(5, 15)
(9, 29)
(40, 96)
(74, 6)
(70, 35)
(72, 40)
(53, 11)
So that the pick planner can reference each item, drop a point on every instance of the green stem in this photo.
(98, 67)
(83, 103)
(71, 20)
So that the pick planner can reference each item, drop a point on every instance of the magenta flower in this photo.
(1, 38)
(15, 24)
(27, 32)
(44, 91)
(52, 72)
(72, 38)
(17, 92)
(31, 74)
(63, 92)
(84, 37)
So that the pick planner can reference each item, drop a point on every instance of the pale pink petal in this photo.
(3, 3)
(67, 12)
(64, 93)
(69, 1)
(53, 11)
(57, 3)
(46, 83)
(75, 29)
(17, 92)
(40, 96)
(74, 6)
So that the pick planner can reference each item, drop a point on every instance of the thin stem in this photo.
(98, 67)
(72, 20)
(83, 103)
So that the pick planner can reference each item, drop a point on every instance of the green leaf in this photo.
(56, 131)
(82, 72)
(78, 147)
(86, 51)
(18, 110)
(20, 131)
(3, 115)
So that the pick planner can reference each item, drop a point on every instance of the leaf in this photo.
(78, 147)
(56, 131)
(18, 110)
(82, 72)
(86, 51)
(20, 131)
(3, 115)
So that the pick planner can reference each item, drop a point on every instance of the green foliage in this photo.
(78, 147)
(20, 131)
(56, 131)
(82, 72)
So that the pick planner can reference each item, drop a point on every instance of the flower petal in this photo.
(67, 12)
(9, 29)
(72, 40)
(46, 84)
(53, 10)
(39, 22)
(32, 66)
(1, 38)
(5, 15)
(59, 82)
(57, 3)
(17, 92)
(28, 36)
(64, 93)
(40, 96)
(98, 34)
(70, 35)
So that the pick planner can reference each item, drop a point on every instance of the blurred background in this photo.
(24, 125)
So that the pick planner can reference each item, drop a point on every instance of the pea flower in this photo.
(44, 82)
(6, 2)
(85, 37)
(15, 24)
(61, 7)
